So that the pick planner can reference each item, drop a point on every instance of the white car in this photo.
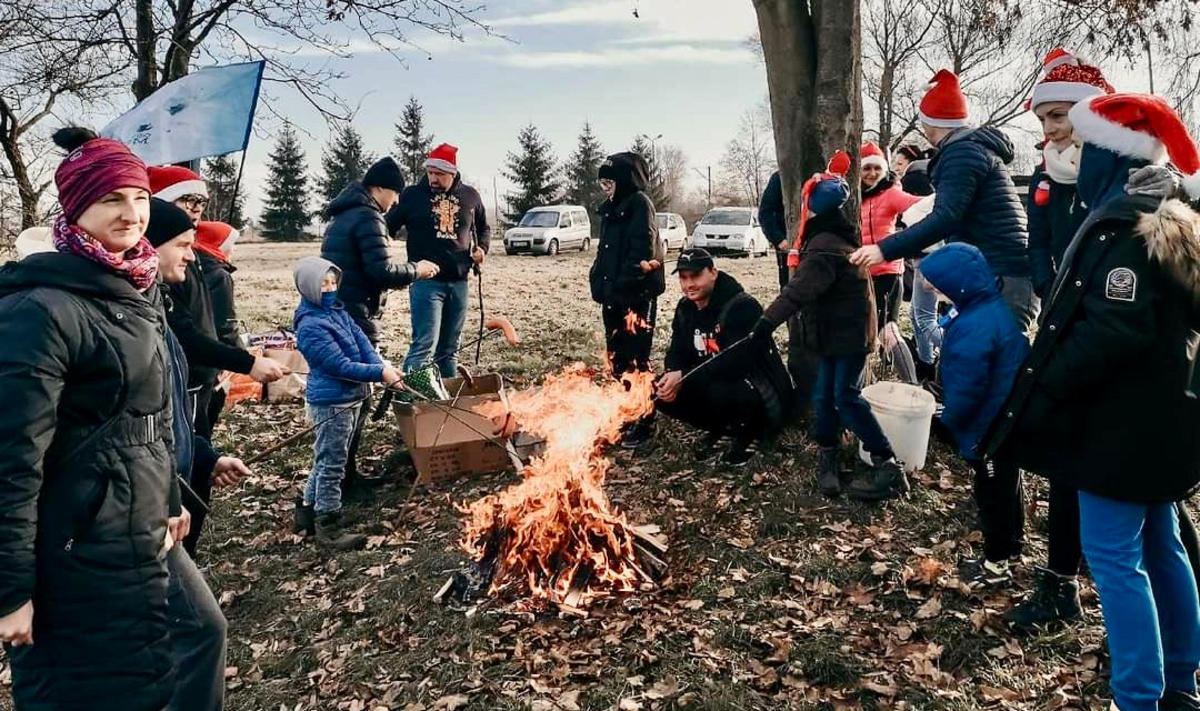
(550, 229)
(672, 230)
(732, 231)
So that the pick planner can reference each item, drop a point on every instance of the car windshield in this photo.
(540, 219)
(662, 222)
(726, 217)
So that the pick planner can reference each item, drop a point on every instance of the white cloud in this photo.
(686, 54)
(605, 12)
(657, 21)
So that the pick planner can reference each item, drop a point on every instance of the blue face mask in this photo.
(328, 299)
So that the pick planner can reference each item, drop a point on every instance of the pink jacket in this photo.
(879, 212)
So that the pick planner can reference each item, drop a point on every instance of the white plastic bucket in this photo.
(905, 413)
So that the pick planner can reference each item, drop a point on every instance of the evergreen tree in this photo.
(533, 170)
(657, 189)
(285, 213)
(583, 185)
(342, 162)
(412, 143)
(221, 175)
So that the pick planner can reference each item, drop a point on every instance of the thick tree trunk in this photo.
(145, 42)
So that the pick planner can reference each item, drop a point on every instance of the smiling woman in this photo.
(86, 482)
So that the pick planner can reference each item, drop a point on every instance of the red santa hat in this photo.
(839, 164)
(944, 105)
(216, 238)
(172, 182)
(443, 158)
(1139, 126)
(871, 154)
(1067, 79)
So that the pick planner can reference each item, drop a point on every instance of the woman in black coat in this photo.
(86, 485)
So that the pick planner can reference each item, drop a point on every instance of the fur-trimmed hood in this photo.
(1172, 236)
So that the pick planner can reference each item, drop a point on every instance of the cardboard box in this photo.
(448, 443)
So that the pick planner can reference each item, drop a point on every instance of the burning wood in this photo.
(635, 323)
(555, 534)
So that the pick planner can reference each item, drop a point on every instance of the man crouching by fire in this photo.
(627, 275)
(742, 393)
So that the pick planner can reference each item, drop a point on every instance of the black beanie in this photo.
(166, 222)
(384, 174)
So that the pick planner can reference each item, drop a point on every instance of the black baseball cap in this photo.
(693, 260)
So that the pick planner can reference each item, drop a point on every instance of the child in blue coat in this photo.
(342, 363)
(983, 349)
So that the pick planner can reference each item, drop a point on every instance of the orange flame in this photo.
(635, 323)
(556, 530)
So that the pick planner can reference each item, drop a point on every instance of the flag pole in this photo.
(237, 184)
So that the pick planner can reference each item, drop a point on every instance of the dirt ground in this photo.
(777, 598)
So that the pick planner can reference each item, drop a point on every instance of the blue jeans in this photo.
(335, 431)
(438, 311)
(1148, 595)
(838, 402)
(925, 318)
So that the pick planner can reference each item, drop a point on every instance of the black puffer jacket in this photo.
(190, 315)
(1102, 404)
(628, 237)
(1055, 213)
(356, 240)
(916, 178)
(218, 277)
(833, 297)
(83, 506)
(697, 335)
(975, 202)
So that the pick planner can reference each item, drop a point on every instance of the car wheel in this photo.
(587, 244)
(552, 249)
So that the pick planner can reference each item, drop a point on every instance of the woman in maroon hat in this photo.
(86, 484)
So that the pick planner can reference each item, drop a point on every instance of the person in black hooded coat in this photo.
(627, 275)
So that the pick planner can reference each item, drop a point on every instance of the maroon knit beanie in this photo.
(93, 168)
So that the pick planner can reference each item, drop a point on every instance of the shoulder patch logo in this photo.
(1121, 285)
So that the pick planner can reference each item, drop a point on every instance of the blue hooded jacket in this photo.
(341, 361)
(983, 348)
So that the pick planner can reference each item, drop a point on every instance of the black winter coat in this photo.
(697, 335)
(218, 277)
(442, 227)
(1052, 224)
(833, 297)
(975, 202)
(1101, 404)
(628, 236)
(356, 240)
(190, 315)
(916, 178)
(85, 485)
(771, 212)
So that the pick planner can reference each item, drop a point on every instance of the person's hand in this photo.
(783, 245)
(427, 269)
(667, 386)
(477, 254)
(867, 256)
(228, 471)
(1156, 181)
(267, 370)
(16, 628)
(649, 265)
(391, 376)
(179, 526)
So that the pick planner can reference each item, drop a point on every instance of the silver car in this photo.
(549, 230)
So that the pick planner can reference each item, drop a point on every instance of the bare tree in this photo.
(673, 166)
(894, 34)
(749, 158)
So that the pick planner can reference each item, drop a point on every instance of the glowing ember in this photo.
(635, 323)
(555, 533)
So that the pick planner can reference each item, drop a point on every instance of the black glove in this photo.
(762, 331)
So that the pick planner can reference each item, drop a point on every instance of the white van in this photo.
(550, 229)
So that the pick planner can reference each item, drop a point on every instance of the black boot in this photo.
(1179, 701)
(886, 481)
(330, 533)
(740, 452)
(1055, 598)
(707, 446)
(638, 435)
(304, 519)
(828, 480)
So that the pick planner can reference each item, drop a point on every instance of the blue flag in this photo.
(206, 113)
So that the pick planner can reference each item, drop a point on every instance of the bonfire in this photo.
(555, 535)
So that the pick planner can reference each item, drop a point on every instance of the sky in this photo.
(681, 70)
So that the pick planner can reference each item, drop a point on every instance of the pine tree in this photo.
(286, 213)
(412, 143)
(583, 185)
(342, 162)
(657, 189)
(534, 172)
(221, 175)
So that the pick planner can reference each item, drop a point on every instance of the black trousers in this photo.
(721, 406)
(198, 631)
(784, 273)
(202, 485)
(1000, 498)
(629, 348)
